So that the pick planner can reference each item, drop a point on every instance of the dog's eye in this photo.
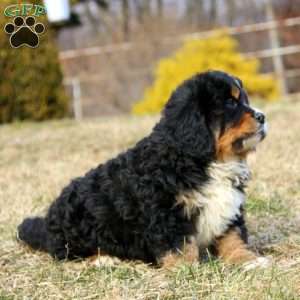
(231, 103)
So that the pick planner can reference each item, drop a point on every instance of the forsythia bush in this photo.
(217, 52)
(30, 79)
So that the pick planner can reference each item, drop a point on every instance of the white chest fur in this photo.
(218, 202)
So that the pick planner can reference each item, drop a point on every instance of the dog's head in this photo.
(211, 113)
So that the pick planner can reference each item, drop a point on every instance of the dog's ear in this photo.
(186, 121)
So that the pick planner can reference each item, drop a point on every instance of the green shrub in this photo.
(217, 52)
(30, 79)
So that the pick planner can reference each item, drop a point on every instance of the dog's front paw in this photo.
(260, 262)
(104, 261)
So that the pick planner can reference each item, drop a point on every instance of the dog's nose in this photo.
(260, 117)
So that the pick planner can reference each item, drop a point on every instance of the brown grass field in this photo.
(38, 160)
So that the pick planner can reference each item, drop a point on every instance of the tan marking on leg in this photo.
(103, 260)
(170, 260)
(189, 254)
(232, 249)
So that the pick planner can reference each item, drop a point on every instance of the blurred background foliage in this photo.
(30, 79)
(217, 52)
(104, 55)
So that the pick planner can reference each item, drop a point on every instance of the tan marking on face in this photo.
(232, 249)
(235, 92)
(224, 147)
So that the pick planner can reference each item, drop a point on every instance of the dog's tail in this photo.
(33, 232)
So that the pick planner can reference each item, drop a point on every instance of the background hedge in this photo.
(30, 79)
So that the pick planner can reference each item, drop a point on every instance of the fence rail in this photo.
(75, 53)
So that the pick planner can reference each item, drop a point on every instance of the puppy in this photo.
(176, 192)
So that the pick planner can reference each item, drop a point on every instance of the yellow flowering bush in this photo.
(217, 52)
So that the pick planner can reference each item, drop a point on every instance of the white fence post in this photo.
(77, 105)
(275, 45)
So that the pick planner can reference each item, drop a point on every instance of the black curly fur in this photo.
(126, 207)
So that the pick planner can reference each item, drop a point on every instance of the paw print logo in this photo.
(24, 32)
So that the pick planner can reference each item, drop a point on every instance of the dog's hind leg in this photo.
(232, 249)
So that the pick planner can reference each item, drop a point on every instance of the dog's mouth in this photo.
(262, 131)
(250, 141)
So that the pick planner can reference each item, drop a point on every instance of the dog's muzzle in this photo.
(261, 121)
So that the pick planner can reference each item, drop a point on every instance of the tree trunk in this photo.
(125, 19)
(230, 12)
(159, 4)
(195, 12)
(143, 9)
(213, 12)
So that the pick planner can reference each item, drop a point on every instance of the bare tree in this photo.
(196, 12)
(125, 19)
(142, 9)
(159, 6)
(213, 11)
(231, 12)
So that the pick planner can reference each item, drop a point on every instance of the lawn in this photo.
(38, 160)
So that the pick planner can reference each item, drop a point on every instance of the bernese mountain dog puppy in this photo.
(176, 192)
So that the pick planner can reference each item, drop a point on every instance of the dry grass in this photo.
(37, 160)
